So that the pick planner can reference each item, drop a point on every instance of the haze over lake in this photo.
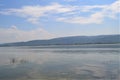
(60, 62)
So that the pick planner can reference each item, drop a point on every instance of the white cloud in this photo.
(94, 18)
(34, 13)
(109, 11)
(67, 13)
(90, 8)
(33, 20)
(13, 34)
(112, 10)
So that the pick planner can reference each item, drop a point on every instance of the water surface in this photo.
(77, 62)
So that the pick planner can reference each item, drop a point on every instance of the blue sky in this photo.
(23, 20)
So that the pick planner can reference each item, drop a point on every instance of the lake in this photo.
(60, 62)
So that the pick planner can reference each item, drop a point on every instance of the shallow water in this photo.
(85, 62)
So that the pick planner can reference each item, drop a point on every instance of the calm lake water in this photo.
(84, 62)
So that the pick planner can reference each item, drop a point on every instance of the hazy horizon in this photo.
(61, 37)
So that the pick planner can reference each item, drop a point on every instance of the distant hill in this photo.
(74, 40)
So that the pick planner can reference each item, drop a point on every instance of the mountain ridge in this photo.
(71, 40)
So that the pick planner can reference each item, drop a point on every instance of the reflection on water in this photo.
(59, 63)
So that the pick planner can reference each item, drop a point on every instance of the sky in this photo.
(24, 20)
